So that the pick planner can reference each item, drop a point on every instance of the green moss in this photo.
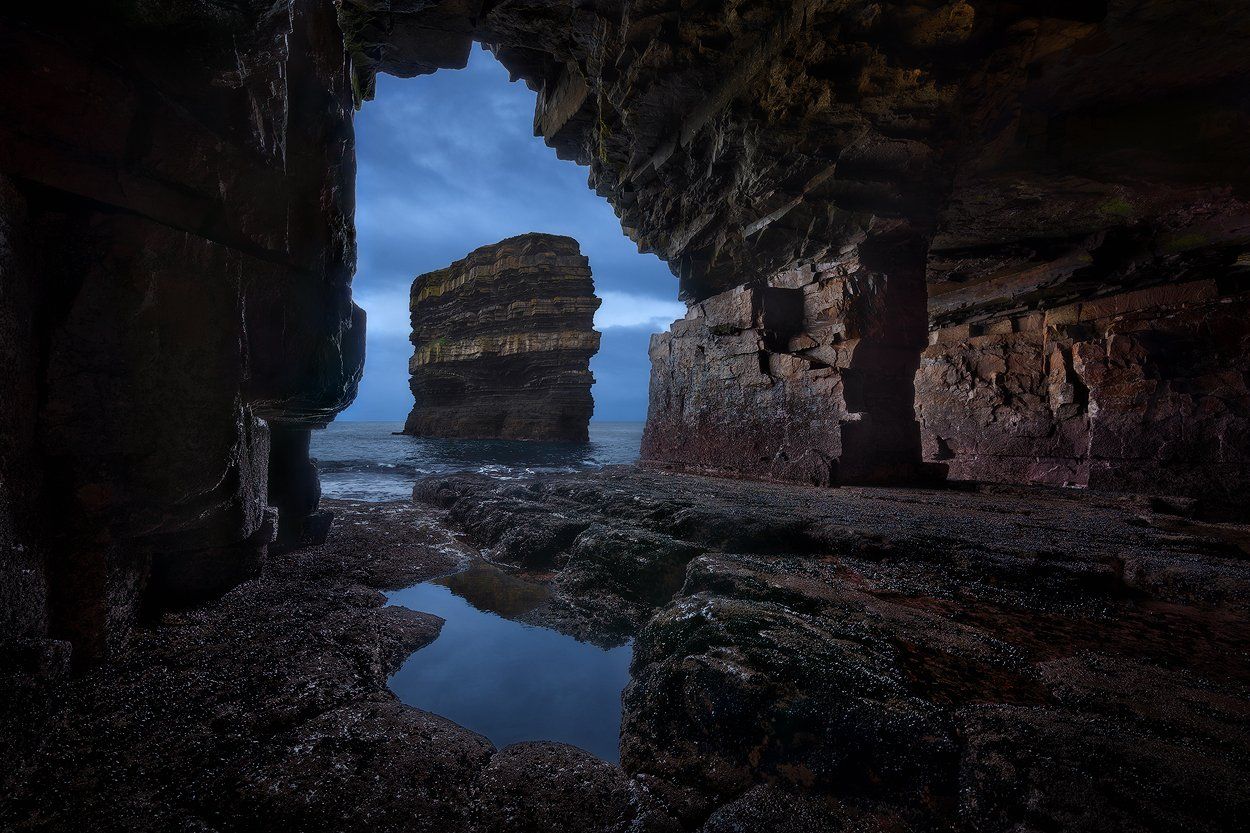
(1185, 242)
(1118, 207)
(724, 330)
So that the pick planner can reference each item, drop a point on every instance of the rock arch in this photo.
(833, 182)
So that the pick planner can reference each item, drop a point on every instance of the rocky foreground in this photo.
(805, 660)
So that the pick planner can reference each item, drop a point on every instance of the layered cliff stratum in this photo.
(503, 341)
(1004, 242)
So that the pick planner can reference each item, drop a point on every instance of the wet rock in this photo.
(538, 544)
(906, 659)
(555, 787)
(365, 767)
(1043, 768)
(503, 342)
(267, 704)
(614, 578)
(773, 809)
(727, 693)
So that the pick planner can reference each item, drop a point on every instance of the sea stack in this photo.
(503, 341)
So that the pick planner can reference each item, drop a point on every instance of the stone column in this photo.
(807, 377)
(295, 489)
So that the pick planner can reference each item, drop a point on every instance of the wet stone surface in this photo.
(804, 661)
(999, 659)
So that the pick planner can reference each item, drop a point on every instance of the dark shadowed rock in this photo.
(556, 788)
(904, 659)
(395, 768)
(779, 811)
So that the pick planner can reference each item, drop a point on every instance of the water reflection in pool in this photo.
(505, 679)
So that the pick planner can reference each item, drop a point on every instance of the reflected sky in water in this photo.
(508, 680)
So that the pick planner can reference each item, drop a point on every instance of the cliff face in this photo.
(1141, 391)
(503, 341)
(807, 378)
(176, 199)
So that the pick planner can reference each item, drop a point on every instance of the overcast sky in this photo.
(447, 163)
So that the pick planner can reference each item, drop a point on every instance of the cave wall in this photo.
(805, 378)
(23, 585)
(1142, 391)
(176, 206)
(1034, 155)
(1089, 273)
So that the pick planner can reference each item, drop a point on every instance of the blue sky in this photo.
(448, 162)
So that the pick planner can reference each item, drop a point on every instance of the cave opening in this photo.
(1010, 238)
(448, 163)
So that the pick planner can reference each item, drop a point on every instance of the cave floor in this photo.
(804, 660)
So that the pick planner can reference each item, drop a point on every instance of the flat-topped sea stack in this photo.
(503, 341)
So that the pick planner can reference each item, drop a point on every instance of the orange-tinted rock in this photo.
(1140, 392)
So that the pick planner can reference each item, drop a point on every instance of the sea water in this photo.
(488, 671)
(369, 461)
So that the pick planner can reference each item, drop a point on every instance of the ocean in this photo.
(369, 461)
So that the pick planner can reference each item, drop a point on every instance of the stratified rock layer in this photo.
(1145, 391)
(807, 377)
(176, 210)
(503, 343)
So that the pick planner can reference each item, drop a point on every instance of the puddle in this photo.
(505, 679)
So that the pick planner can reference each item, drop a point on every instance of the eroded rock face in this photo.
(981, 162)
(503, 343)
(177, 213)
(805, 378)
(1139, 392)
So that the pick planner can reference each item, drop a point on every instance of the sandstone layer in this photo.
(503, 341)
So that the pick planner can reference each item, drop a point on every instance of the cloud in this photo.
(388, 312)
(623, 309)
(389, 317)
